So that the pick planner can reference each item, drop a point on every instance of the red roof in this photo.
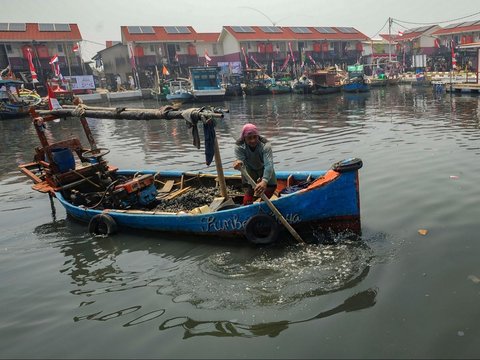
(208, 37)
(288, 34)
(409, 35)
(460, 28)
(159, 34)
(391, 38)
(32, 33)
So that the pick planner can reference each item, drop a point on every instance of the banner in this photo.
(81, 82)
(207, 58)
(133, 63)
(291, 52)
(287, 59)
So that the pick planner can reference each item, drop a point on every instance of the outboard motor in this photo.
(138, 191)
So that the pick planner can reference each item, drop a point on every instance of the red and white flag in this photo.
(207, 58)
(133, 63)
(54, 59)
(291, 51)
(454, 59)
(32, 67)
(245, 56)
(287, 59)
(436, 43)
(75, 47)
(400, 33)
(311, 59)
(53, 103)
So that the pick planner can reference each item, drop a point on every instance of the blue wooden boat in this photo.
(12, 104)
(356, 80)
(94, 192)
(206, 83)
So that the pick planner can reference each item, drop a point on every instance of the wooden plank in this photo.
(216, 203)
(167, 187)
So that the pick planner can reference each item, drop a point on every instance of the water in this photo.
(394, 294)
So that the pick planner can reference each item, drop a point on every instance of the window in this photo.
(177, 47)
(152, 48)
(214, 49)
(8, 48)
(60, 48)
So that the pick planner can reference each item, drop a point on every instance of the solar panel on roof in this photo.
(62, 27)
(134, 30)
(13, 27)
(242, 29)
(300, 30)
(147, 29)
(325, 30)
(270, 29)
(176, 29)
(347, 30)
(54, 27)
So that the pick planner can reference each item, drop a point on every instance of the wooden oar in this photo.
(272, 207)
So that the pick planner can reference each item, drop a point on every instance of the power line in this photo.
(378, 32)
(438, 22)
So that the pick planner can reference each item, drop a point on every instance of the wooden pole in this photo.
(272, 207)
(221, 176)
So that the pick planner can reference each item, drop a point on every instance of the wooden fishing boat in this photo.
(256, 82)
(356, 80)
(12, 104)
(108, 199)
(179, 91)
(232, 83)
(303, 85)
(326, 82)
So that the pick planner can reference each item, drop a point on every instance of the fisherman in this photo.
(118, 80)
(255, 153)
(131, 82)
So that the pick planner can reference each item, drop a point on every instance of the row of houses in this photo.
(235, 48)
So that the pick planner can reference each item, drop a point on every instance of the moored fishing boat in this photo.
(108, 198)
(356, 80)
(12, 103)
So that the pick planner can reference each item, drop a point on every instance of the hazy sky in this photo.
(100, 20)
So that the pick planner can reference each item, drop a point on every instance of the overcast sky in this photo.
(100, 20)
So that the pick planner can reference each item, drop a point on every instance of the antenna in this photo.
(260, 12)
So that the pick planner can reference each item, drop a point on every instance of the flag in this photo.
(454, 59)
(58, 73)
(245, 56)
(400, 33)
(287, 59)
(75, 47)
(176, 56)
(132, 56)
(255, 61)
(272, 67)
(311, 59)
(32, 67)
(53, 103)
(208, 58)
(291, 52)
(54, 59)
(165, 71)
(436, 43)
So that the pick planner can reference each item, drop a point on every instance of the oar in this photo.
(272, 207)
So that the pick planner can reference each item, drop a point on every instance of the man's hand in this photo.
(237, 164)
(260, 188)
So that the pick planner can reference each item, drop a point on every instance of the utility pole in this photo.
(390, 20)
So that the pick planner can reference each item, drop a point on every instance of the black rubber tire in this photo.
(102, 224)
(261, 229)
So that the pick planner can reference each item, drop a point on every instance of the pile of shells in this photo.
(189, 200)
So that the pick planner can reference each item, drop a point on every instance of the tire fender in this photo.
(261, 229)
(102, 224)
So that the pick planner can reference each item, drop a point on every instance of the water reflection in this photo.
(224, 328)
(206, 276)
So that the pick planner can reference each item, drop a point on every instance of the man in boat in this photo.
(255, 153)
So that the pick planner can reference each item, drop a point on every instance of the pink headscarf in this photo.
(249, 129)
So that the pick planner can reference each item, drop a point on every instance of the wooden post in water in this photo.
(221, 176)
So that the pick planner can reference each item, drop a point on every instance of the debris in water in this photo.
(423, 232)
(474, 278)
(454, 177)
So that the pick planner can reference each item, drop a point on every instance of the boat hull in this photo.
(356, 87)
(333, 204)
